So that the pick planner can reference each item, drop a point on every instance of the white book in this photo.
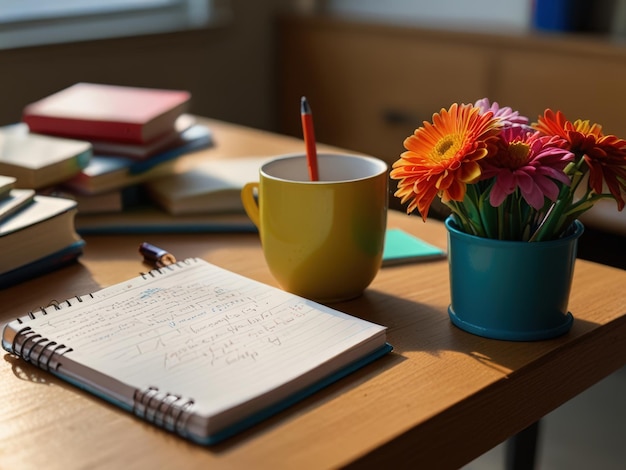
(39, 229)
(196, 349)
(13, 202)
(209, 187)
(38, 161)
(6, 184)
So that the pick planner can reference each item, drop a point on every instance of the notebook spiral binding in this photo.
(165, 269)
(57, 306)
(165, 410)
(38, 350)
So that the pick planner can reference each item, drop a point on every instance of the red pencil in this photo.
(309, 138)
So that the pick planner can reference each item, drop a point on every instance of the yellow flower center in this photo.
(445, 149)
(518, 153)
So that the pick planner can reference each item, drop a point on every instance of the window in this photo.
(37, 22)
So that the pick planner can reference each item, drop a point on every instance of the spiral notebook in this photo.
(196, 349)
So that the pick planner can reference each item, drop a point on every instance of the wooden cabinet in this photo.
(370, 85)
(584, 85)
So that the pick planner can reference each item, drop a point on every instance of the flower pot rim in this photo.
(452, 228)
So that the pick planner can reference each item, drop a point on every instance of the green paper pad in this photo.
(402, 247)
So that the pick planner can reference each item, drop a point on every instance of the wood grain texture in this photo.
(440, 399)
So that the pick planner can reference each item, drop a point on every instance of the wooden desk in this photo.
(442, 398)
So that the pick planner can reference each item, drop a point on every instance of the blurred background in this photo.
(243, 61)
(372, 71)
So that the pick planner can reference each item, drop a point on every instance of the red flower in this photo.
(604, 155)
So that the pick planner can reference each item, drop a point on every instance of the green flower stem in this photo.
(500, 218)
(469, 213)
(487, 215)
(552, 220)
(464, 220)
(556, 219)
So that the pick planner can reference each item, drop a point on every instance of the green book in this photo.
(402, 247)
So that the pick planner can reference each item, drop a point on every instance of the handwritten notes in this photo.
(194, 327)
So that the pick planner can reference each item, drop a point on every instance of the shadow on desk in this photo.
(28, 296)
(312, 403)
(419, 329)
(25, 371)
(418, 326)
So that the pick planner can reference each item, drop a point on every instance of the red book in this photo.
(107, 112)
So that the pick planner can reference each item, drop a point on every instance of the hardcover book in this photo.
(149, 220)
(15, 201)
(213, 186)
(95, 111)
(43, 227)
(7, 183)
(38, 161)
(106, 173)
(143, 151)
(56, 260)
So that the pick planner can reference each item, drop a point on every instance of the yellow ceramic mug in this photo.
(324, 239)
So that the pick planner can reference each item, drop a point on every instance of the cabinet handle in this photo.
(396, 117)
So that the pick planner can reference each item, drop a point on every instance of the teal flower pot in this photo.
(510, 290)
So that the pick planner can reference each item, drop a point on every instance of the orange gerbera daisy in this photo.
(604, 155)
(441, 157)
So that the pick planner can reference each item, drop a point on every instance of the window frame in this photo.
(25, 23)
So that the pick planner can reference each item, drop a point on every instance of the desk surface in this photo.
(441, 398)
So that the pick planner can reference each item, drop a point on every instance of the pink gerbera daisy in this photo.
(529, 161)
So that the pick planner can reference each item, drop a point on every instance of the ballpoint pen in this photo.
(156, 256)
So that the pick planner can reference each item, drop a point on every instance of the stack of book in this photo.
(87, 147)
(136, 134)
(205, 198)
(40, 161)
(37, 233)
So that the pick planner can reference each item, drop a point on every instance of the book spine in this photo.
(38, 350)
(165, 410)
(79, 129)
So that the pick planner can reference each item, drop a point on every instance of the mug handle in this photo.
(250, 203)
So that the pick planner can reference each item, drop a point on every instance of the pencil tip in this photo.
(304, 105)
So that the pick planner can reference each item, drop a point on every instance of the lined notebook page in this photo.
(203, 332)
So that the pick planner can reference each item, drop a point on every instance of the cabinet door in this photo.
(582, 86)
(369, 87)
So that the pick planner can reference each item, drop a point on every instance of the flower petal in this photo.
(442, 156)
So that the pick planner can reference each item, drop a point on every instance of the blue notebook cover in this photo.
(43, 266)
